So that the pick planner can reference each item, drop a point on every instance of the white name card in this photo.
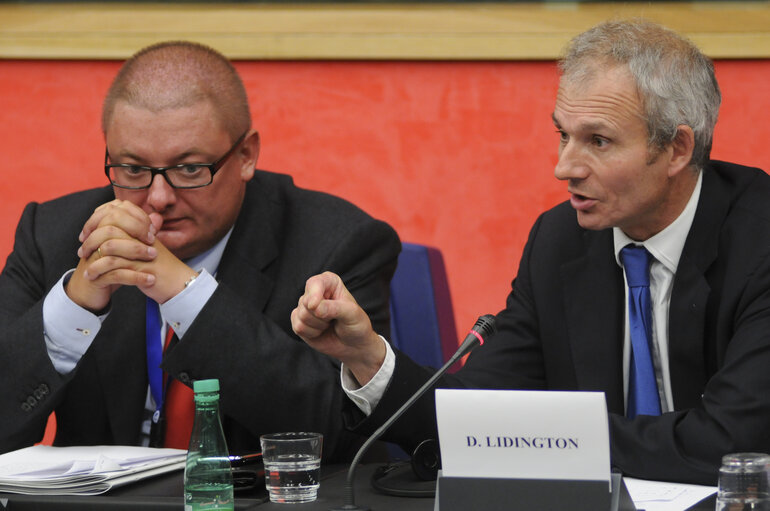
(523, 434)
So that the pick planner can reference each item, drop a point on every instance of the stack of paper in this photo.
(82, 470)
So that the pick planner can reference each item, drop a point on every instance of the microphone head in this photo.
(486, 326)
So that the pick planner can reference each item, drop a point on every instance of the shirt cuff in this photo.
(68, 328)
(181, 310)
(367, 397)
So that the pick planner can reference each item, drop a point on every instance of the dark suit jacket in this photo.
(562, 329)
(270, 380)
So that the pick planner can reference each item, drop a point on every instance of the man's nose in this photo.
(160, 195)
(571, 164)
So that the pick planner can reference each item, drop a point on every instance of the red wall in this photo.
(455, 155)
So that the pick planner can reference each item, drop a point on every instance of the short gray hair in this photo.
(675, 80)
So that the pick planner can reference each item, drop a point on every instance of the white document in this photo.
(663, 496)
(82, 470)
(523, 434)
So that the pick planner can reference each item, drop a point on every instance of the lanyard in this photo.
(154, 356)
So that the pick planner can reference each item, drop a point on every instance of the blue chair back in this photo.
(421, 317)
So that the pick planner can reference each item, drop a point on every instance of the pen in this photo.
(245, 459)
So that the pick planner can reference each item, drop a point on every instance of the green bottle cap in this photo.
(206, 385)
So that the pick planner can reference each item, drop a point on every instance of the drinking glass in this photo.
(292, 466)
(744, 479)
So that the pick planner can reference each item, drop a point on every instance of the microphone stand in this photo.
(486, 324)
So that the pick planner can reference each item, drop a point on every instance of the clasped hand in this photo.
(119, 247)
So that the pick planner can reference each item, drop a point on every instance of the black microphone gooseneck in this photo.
(483, 329)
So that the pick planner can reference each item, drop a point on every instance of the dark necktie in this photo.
(643, 396)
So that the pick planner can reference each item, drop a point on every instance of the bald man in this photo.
(187, 267)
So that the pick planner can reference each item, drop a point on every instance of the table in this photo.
(164, 493)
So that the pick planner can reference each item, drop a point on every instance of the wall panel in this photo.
(458, 155)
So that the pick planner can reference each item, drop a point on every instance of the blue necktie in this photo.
(154, 352)
(643, 396)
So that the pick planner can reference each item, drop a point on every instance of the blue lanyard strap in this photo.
(154, 355)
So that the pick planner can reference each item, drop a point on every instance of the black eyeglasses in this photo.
(184, 175)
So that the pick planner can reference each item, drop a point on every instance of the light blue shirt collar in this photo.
(210, 259)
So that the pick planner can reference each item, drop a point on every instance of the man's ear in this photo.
(250, 152)
(681, 149)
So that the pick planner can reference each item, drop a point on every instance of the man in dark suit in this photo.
(635, 114)
(223, 248)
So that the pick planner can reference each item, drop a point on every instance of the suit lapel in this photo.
(246, 263)
(689, 297)
(593, 300)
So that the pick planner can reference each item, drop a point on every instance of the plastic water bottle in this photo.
(208, 481)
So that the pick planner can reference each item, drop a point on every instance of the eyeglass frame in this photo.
(154, 171)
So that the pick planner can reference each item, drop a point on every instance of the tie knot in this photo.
(636, 262)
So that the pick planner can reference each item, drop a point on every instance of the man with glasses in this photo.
(115, 299)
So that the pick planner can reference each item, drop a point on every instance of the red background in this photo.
(458, 155)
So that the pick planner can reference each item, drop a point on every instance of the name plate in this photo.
(523, 434)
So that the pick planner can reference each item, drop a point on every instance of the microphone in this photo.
(482, 330)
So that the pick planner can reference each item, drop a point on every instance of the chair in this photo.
(421, 317)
